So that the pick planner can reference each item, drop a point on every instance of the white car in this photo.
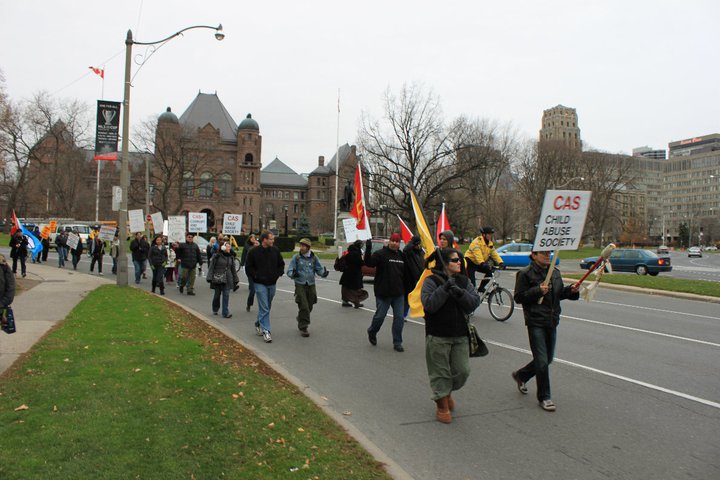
(694, 252)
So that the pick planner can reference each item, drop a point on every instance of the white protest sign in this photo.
(351, 231)
(197, 222)
(166, 228)
(157, 221)
(562, 220)
(107, 233)
(72, 240)
(137, 220)
(176, 229)
(232, 224)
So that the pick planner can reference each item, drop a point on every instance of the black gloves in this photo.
(325, 273)
(456, 291)
(503, 266)
(235, 287)
(449, 284)
(296, 274)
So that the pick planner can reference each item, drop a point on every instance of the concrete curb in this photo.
(652, 291)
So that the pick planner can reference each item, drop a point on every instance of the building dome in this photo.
(168, 116)
(248, 124)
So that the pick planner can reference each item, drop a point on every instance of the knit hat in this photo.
(415, 240)
(305, 241)
(395, 237)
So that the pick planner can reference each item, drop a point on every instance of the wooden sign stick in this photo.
(550, 272)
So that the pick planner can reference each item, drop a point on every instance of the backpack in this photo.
(340, 263)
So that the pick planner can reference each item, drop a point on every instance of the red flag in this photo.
(405, 231)
(358, 209)
(442, 225)
(98, 71)
(15, 222)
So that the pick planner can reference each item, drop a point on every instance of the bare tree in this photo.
(41, 148)
(408, 150)
(179, 155)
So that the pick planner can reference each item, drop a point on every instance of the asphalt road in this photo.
(635, 380)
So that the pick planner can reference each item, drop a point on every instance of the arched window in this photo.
(248, 158)
(188, 184)
(224, 185)
(206, 185)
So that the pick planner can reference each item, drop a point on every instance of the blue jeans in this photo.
(383, 304)
(61, 256)
(542, 344)
(225, 291)
(265, 294)
(139, 268)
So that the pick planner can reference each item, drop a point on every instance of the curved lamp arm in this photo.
(219, 35)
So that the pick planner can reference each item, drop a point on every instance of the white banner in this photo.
(72, 240)
(197, 222)
(232, 224)
(351, 231)
(137, 221)
(562, 220)
(107, 233)
(176, 229)
(157, 222)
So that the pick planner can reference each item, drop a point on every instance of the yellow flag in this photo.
(414, 300)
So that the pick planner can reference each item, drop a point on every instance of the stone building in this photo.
(560, 123)
(222, 173)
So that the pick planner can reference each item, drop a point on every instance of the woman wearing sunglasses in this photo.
(447, 298)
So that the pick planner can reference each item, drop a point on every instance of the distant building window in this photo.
(248, 158)
(188, 184)
(206, 185)
(302, 195)
(295, 195)
(224, 185)
(287, 195)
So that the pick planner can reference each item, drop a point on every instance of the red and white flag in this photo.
(405, 231)
(442, 225)
(358, 210)
(98, 71)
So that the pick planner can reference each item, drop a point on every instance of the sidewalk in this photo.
(56, 292)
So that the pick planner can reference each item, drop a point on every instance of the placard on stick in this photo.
(562, 220)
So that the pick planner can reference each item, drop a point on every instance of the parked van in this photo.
(81, 229)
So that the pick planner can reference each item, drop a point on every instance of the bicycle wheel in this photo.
(236, 265)
(501, 304)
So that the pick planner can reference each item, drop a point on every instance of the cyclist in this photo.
(479, 254)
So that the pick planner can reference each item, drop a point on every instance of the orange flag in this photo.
(358, 209)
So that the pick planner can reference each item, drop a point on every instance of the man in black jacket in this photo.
(264, 264)
(189, 256)
(415, 264)
(541, 320)
(140, 248)
(389, 285)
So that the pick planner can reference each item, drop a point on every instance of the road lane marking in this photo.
(657, 309)
(651, 386)
(642, 330)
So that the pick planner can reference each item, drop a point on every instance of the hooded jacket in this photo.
(527, 293)
(352, 277)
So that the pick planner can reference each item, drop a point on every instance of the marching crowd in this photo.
(448, 293)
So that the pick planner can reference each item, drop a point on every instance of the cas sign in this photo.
(232, 224)
(197, 222)
(562, 220)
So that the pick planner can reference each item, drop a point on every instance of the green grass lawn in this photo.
(131, 387)
(699, 287)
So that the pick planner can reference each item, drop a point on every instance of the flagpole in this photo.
(337, 169)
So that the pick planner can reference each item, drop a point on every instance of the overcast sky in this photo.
(638, 72)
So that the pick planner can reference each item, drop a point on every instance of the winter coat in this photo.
(415, 263)
(98, 248)
(352, 277)
(303, 269)
(18, 246)
(158, 256)
(7, 285)
(264, 265)
(189, 255)
(480, 252)
(222, 262)
(389, 273)
(140, 250)
(527, 293)
(446, 313)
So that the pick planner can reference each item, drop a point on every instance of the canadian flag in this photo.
(443, 224)
(98, 71)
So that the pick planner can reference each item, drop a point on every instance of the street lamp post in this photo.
(286, 220)
(570, 181)
(122, 271)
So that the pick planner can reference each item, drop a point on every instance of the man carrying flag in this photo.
(22, 242)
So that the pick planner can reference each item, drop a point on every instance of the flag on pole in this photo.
(405, 231)
(358, 210)
(34, 244)
(98, 71)
(414, 300)
(443, 224)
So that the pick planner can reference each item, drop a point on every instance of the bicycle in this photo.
(500, 301)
